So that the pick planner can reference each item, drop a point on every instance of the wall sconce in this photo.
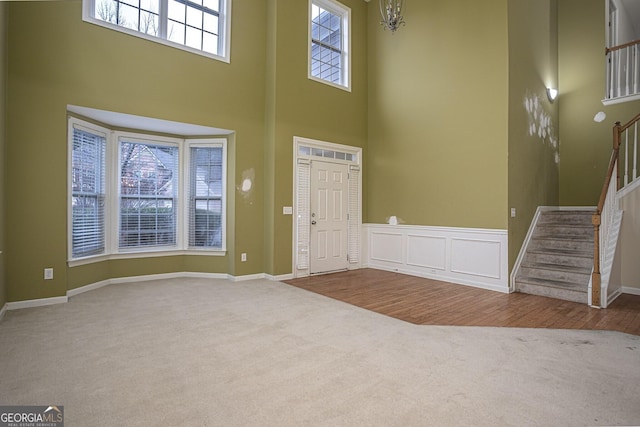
(552, 94)
(391, 13)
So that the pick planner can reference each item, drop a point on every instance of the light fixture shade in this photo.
(391, 12)
(552, 93)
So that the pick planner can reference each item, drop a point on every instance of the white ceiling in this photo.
(148, 124)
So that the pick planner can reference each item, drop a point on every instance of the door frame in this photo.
(304, 151)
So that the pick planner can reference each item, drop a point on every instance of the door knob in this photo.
(313, 223)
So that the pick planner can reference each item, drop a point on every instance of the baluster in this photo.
(635, 152)
(609, 89)
(618, 74)
(627, 80)
(635, 69)
(626, 157)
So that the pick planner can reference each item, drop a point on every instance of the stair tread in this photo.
(553, 284)
(562, 252)
(562, 237)
(559, 258)
(558, 267)
(569, 212)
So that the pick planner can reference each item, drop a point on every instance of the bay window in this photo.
(133, 193)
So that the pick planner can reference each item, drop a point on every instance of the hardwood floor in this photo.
(430, 302)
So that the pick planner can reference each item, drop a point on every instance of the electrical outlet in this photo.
(48, 274)
(243, 257)
(513, 212)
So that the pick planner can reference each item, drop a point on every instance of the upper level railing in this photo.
(624, 159)
(623, 71)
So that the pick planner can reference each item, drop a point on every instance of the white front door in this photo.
(329, 221)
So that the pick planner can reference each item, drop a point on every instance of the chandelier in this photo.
(391, 13)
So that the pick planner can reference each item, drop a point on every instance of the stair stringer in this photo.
(607, 265)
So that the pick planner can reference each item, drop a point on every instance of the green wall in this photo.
(3, 79)
(438, 111)
(439, 108)
(56, 59)
(302, 107)
(585, 144)
(533, 120)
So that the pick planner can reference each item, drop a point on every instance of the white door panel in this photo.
(329, 224)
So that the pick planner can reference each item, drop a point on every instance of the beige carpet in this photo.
(195, 352)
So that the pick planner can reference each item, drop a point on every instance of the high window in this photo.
(138, 193)
(200, 26)
(329, 42)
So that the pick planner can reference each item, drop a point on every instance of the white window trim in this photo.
(89, 127)
(88, 6)
(112, 221)
(114, 195)
(345, 12)
(186, 162)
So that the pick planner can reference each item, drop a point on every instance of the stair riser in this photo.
(584, 220)
(560, 260)
(556, 275)
(561, 245)
(579, 233)
(563, 294)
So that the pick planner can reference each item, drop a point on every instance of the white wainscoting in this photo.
(467, 256)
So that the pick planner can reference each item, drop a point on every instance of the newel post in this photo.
(595, 276)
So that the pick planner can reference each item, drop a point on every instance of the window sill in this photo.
(328, 83)
(148, 254)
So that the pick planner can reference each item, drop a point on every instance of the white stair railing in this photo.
(608, 211)
(623, 70)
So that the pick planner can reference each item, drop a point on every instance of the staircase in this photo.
(559, 257)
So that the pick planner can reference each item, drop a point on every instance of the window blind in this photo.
(148, 194)
(87, 193)
(303, 211)
(205, 197)
(354, 215)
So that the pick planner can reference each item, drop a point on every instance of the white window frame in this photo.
(104, 132)
(118, 138)
(186, 183)
(345, 13)
(224, 36)
(112, 209)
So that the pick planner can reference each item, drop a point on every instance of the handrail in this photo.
(621, 46)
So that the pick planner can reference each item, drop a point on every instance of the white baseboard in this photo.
(87, 288)
(278, 278)
(3, 311)
(466, 256)
(630, 290)
(612, 297)
(246, 277)
(138, 279)
(17, 305)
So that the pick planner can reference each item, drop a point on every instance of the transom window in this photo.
(140, 193)
(198, 25)
(329, 42)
